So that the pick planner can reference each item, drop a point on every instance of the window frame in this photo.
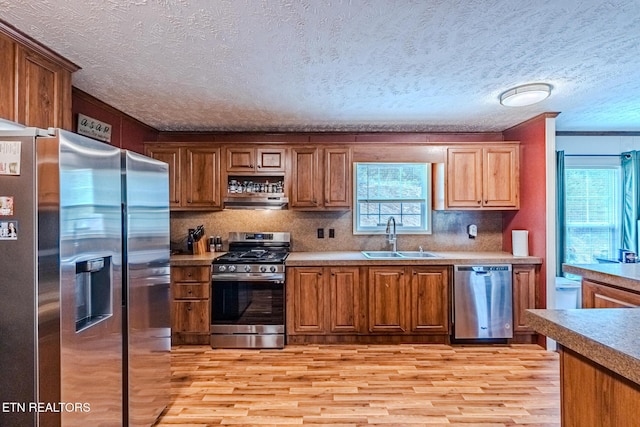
(426, 207)
(594, 163)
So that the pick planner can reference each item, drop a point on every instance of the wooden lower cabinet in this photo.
(190, 305)
(429, 300)
(323, 300)
(345, 314)
(387, 300)
(592, 395)
(385, 304)
(601, 295)
(305, 301)
(524, 296)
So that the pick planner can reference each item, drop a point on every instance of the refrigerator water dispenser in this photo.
(94, 290)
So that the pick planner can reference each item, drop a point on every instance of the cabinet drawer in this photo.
(190, 316)
(191, 274)
(188, 290)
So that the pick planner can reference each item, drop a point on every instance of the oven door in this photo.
(247, 311)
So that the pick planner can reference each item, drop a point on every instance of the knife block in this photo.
(200, 247)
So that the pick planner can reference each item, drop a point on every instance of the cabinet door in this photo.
(7, 82)
(500, 169)
(241, 160)
(202, 178)
(387, 300)
(44, 91)
(171, 156)
(337, 178)
(464, 178)
(596, 295)
(524, 295)
(429, 300)
(306, 182)
(271, 160)
(190, 316)
(344, 299)
(306, 308)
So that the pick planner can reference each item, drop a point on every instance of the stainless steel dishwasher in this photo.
(482, 302)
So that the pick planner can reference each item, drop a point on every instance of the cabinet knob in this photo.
(251, 166)
(189, 307)
(479, 202)
(486, 201)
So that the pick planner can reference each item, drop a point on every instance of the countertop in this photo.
(623, 275)
(297, 259)
(197, 260)
(606, 335)
(442, 258)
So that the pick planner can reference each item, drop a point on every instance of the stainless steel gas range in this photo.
(248, 291)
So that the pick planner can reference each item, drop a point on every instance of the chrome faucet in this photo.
(391, 233)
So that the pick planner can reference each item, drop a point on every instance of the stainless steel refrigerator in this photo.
(65, 318)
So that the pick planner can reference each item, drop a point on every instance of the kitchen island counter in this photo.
(605, 336)
(622, 275)
(599, 363)
(346, 258)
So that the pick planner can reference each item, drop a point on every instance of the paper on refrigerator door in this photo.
(10, 157)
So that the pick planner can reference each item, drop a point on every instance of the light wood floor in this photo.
(365, 385)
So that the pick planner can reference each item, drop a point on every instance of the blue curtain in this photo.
(560, 213)
(630, 198)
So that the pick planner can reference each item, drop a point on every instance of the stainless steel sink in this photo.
(398, 254)
(381, 254)
(417, 254)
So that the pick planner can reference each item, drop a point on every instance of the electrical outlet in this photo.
(320, 233)
(472, 231)
(332, 233)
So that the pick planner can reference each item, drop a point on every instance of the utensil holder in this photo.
(200, 247)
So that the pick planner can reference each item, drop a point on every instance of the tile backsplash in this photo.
(449, 230)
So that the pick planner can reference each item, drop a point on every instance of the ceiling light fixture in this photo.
(524, 95)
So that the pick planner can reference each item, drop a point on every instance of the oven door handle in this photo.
(272, 278)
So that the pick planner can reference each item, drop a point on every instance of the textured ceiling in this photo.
(347, 65)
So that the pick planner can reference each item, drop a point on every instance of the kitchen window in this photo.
(401, 190)
(592, 213)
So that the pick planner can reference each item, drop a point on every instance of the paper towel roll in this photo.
(520, 242)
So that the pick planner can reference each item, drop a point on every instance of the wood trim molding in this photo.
(80, 94)
(39, 48)
(549, 115)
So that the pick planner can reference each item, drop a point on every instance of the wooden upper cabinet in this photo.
(485, 177)
(306, 186)
(464, 177)
(261, 160)
(36, 83)
(171, 156)
(194, 174)
(7, 82)
(337, 178)
(321, 178)
(201, 178)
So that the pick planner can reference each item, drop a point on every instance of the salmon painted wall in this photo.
(126, 132)
(533, 204)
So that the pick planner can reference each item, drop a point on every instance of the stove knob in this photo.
(273, 269)
(247, 268)
(263, 269)
(232, 268)
(222, 268)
